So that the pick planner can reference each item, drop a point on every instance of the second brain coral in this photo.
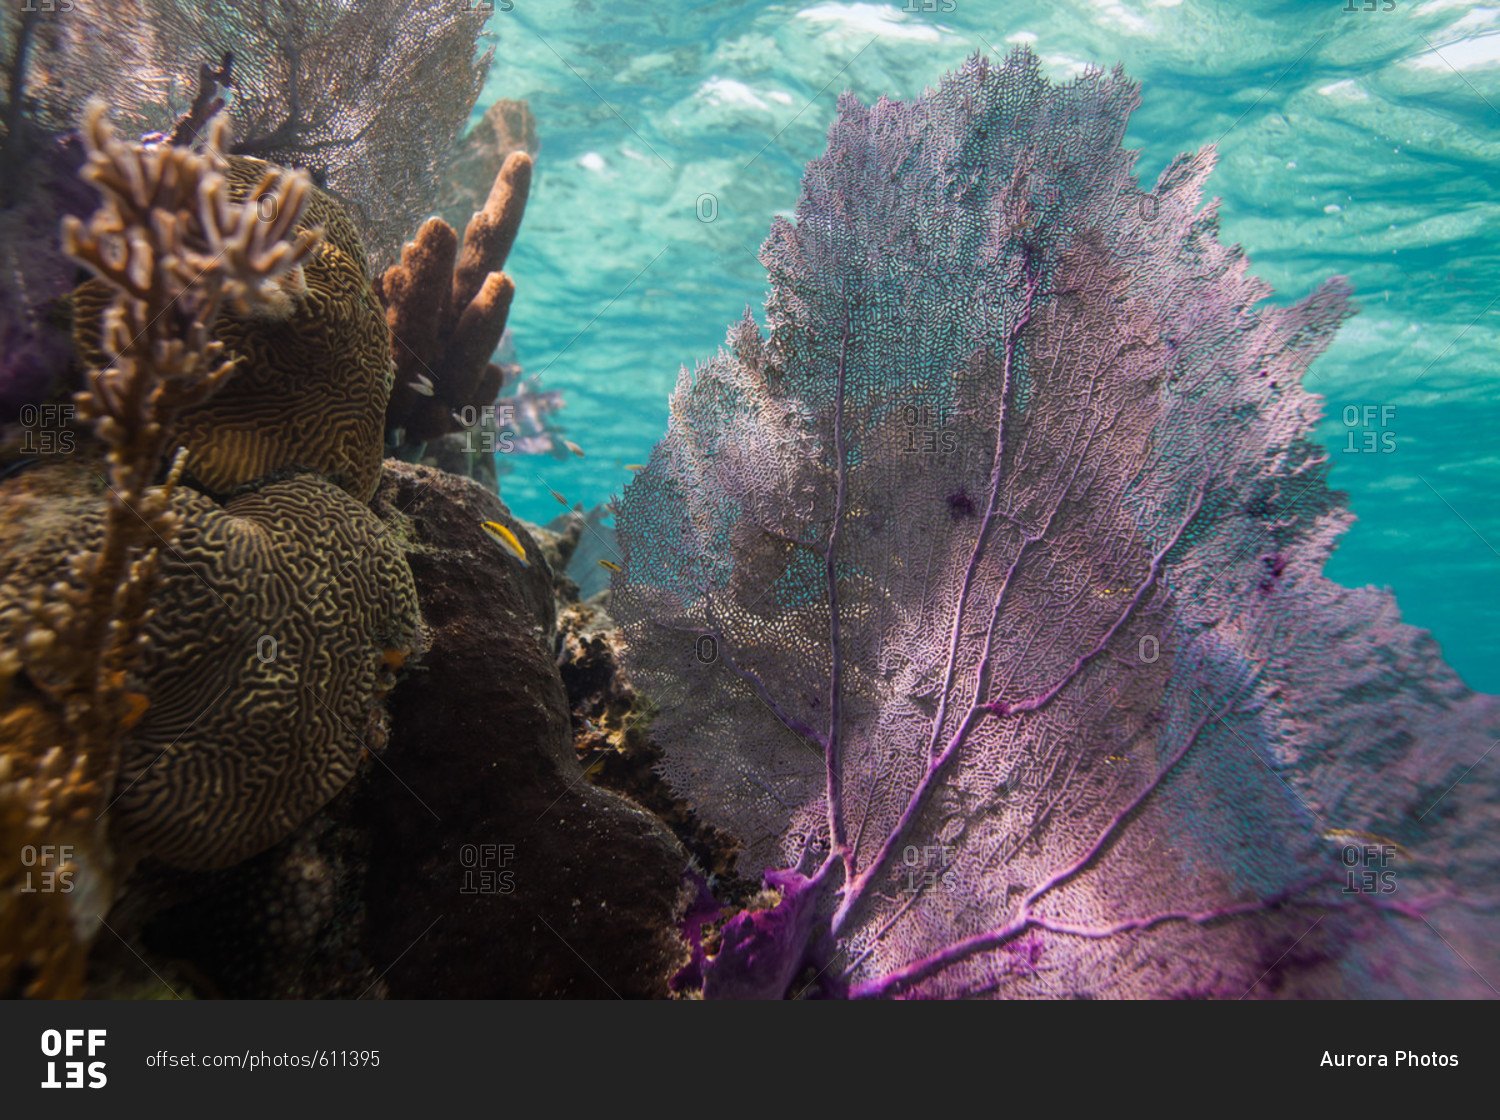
(278, 622)
(268, 676)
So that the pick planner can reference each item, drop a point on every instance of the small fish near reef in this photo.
(611, 565)
(506, 540)
(573, 447)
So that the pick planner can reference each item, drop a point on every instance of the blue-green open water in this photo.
(1359, 142)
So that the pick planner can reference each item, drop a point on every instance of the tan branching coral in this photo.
(446, 305)
(172, 248)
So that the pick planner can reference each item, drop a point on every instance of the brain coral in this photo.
(279, 620)
(311, 391)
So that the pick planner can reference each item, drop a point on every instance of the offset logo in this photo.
(71, 1045)
(50, 864)
(486, 868)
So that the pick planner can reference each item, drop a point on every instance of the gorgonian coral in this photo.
(982, 598)
(366, 97)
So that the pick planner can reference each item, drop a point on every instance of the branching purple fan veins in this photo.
(981, 596)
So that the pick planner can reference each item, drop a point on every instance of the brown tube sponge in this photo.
(447, 304)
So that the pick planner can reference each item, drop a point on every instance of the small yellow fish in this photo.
(1345, 835)
(635, 466)
(611, 565)
(507, 540)
(573, 447)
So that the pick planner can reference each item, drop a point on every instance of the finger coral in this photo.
(477, 157)
(446, 304)
(982, 597)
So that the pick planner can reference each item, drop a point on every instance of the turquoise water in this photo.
(1354, 142)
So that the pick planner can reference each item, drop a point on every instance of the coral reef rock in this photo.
(611, 732)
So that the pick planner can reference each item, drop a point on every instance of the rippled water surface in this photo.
(1359, 142)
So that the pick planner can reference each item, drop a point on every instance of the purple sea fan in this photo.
(950, 590)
